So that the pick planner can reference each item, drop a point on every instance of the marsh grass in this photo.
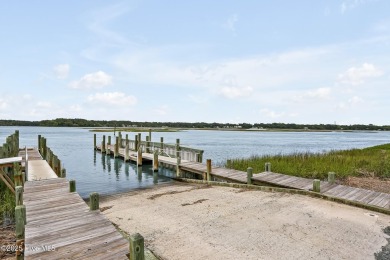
(369, 162)
(7, 201)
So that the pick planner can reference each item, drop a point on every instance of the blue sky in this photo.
(210, 61)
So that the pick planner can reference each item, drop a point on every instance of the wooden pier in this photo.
(208, 172)
(60, 225)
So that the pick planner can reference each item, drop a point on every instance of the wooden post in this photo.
(19, 195)
(39, 143)
(94, 141)
(178, 161)
(109, 140)
(155, 161)
(229, 163)
(136, 143)
(161, 143)
(119, 141)
(127, 139)
(268, 167)
(150, 134)
(316, 185)
(331, 177)
(44, 148)
(59, 168)
(208, 163)
(139, 157)
(72, 186)
(17, 175)
(127, 151)
(104, 144)
(94, 201)
(249, 174)
(177, 147)
(137, 247)
(63, 173)
(139, 141)
(116, 149)
(19, 229)
(147, 145)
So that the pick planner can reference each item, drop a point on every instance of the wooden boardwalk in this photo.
(60, 224)
(364, 196)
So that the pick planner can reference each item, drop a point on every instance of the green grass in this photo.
(7, 201)
(371, 161)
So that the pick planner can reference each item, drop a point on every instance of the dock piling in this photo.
(139, 157)
(316, 185)
(249, 173)
(208, 163)
(94, 201)
(155, 161)
(94, 141)
(331, 177)
(268, 167)
(136, 247)
(19, 195)
(72, 186)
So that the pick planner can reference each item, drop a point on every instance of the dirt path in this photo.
(198, 222)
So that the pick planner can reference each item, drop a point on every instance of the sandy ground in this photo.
(183, 221)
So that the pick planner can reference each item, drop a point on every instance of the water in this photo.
(95, 172)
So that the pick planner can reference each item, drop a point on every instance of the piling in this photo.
(208, 163)
(127, 151)
(72, 186)
(19, 229)
(139, 157)
(39, 143)
(63, 173)
(94, 201)
(249, 173)
(316, 185)
(178, 161)
(94, 141)
(104, 144)
(116, 148)
(136, 143)
(155, 161)
(268, 167)
(136, 247)
(109, 140)
(331, 177)
(147, 144)
(19, 195)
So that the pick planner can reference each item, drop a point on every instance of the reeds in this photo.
(372, 161)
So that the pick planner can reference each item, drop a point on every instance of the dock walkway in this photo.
(369, 197)
(60, 224)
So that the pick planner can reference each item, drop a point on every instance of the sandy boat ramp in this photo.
(192, 221)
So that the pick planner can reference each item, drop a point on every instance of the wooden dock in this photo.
(59, 224)
(364, 196)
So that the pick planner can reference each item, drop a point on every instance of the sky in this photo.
(306, 62)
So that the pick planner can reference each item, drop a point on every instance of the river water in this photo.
(95, 172)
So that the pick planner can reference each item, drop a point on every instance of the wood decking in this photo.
(364, 196)
(61, 226)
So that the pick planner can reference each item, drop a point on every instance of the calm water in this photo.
(96, 172)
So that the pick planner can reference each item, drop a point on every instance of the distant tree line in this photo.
(77, 122)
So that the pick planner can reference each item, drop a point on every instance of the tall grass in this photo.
(372, 161)
(7, 201)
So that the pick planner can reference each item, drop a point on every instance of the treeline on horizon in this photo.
(77, 122)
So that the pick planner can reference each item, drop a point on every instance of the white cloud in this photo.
(235, 92)
(351, 102)
(230, 24)
(61, 71)
(357, 75)
(94, 80)
(351, 4)
(317, 94)
(272, 114)
(112, 98)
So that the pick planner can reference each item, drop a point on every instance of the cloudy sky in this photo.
(232, 61)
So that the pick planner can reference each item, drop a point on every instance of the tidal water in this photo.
(95, 172)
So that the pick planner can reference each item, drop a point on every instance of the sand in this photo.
(189, 221)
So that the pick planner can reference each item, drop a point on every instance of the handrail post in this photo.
(208, 163)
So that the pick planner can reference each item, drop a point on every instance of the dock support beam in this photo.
(116, 149)
(136, 247)
(208, 163)
(104, 144)
(249, 173)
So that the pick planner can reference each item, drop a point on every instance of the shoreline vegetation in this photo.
(368, 167)
(176, 126)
